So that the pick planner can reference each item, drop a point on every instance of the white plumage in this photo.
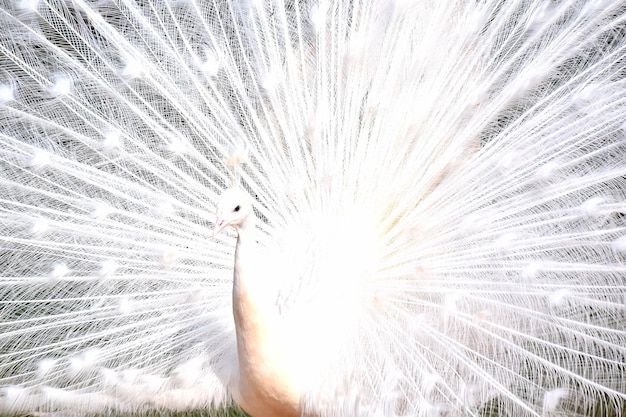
(439, 190)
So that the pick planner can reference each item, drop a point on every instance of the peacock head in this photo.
(233, 209)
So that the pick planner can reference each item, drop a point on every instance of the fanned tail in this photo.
(444, 183)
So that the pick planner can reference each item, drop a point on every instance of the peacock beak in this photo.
(220, 224)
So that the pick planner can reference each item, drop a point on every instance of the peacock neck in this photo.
(266, 387)
(250, 306)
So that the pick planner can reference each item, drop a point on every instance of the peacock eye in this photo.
(236, 208)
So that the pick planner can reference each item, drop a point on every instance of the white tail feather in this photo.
(440, 187)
